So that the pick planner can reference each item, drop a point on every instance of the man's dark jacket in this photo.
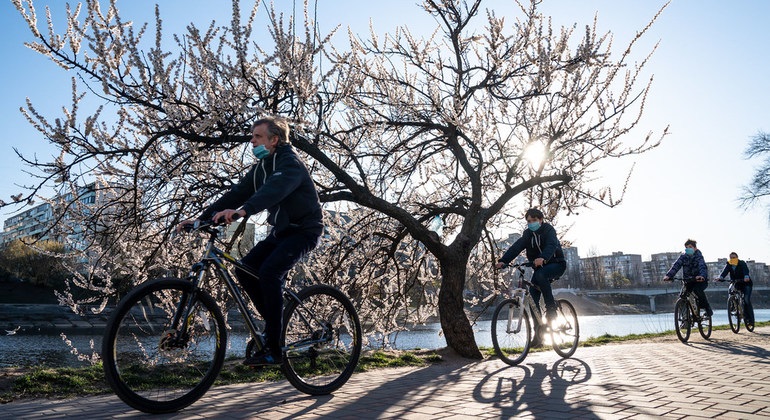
(541, 243)
(281, 184)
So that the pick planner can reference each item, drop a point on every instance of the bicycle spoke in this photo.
(153, 365)
(511, 332)
(322, 340)
(565, 331)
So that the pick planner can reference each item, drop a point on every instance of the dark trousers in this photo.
(699, 288)
(271, 259)
(748, 310)
(542, 278)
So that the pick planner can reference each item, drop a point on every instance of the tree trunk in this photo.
(457, 329)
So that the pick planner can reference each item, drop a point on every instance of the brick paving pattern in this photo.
(727, 377)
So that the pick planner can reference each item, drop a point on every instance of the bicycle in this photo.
(687, 314)
(512, 330)
(736, 308)
(165, 343)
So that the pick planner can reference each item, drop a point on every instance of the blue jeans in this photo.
(271, 259)
(542, 278)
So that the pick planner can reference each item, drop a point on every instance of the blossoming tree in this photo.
(423, 143)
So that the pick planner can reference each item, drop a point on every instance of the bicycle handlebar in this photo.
(205, 225)
(525, 264)
(687, 279)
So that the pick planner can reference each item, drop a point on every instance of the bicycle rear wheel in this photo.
(151, 362)
(682, 320)
(565, 331)
(321, 340)
(510, 339)
(733, 314)
(704, 326)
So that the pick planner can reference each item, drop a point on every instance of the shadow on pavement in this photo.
(528, 388)
(726, 346)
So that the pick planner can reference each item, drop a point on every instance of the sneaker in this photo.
(263, 359)
(708, 313)
(551, 313)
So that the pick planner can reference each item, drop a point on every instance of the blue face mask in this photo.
(689, 251)
(260, 151)
(533, 226)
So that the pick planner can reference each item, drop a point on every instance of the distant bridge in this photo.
(650, 292)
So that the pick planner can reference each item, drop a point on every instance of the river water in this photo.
(30, 349)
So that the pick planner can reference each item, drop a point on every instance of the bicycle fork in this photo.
(516, 314)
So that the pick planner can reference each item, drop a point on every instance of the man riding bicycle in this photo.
(693, 267)
(544, 250)
(739, 274)
(281, 184)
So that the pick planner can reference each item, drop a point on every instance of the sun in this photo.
(535, 153)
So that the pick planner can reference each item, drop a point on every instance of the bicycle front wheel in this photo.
(511, 332)
(565, 331)
(682, 320)
(321, 340)
(733, 314)
(164, 346)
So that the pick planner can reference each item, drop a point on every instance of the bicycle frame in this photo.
(213, 256)
(690, 297)
(737, 294)
(525, 303)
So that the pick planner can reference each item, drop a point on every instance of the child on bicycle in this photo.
(739, 274)
(693, 267)
(280, 183)
(544, 251)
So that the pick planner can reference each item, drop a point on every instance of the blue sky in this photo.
(711, 88)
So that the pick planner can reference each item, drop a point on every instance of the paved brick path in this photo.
(727, 377)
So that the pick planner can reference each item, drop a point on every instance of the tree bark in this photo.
(455, 324)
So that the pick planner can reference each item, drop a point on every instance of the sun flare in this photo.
(534, 153)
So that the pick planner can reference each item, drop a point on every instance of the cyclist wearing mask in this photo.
(543, 249)
(739, 273)
(280, 183)
(693, 267)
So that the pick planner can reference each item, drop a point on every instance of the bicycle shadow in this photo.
(439, 389)
(737, 348)
(533, 388)
(397, 393)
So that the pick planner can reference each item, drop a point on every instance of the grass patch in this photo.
(382, 359)
(46, 382)
(609, 338)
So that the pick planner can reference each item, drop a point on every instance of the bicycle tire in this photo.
(704, 326)
(749, 326)
(733, 315)
(325, 314)
(146, 364)
(565, 330)
(682, 320)
(511, 347)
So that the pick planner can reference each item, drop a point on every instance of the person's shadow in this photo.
(535, 389)
(728, 347)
